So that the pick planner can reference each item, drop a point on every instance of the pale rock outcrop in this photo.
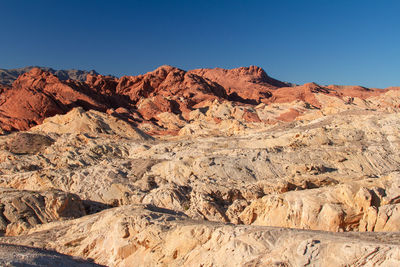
(339, 208)
(92, 122)
(149, 236)
(210, 177)
(21, 210)
(220, 165)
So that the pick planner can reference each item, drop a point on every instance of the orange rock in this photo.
(248, 84)
(38, 94)
(251, 116)
(289, 116)
(356, 91)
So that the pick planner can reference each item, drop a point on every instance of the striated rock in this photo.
(39, 94)
(251, 84)
(338, 208)
(205, 167)
(219, 177)
(21, 210)
(93, 122)
(28, 143)
(305, 93)
(356, 91)
(12, 255)
(149, 236)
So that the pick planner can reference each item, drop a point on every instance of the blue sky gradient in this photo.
(328, 42)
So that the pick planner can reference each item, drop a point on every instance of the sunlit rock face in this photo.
(249, 93)
(206, 167)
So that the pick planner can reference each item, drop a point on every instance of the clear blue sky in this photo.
(325, 41)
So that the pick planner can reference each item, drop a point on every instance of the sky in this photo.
(324, 41)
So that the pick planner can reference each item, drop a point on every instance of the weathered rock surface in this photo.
(343, 157)
(343, 207)
(28, 143)
(184, 168)
(146, 99)
(16, 256)
(90, 122)
(251, 84)
(149, 236)
(21, 210)
(36, 95)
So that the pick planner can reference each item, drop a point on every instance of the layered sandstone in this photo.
(21, 210)
(140, 100)
(91, 122)
(176, 168)
(150, 236)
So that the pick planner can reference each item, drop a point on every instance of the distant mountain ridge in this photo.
(8, 76)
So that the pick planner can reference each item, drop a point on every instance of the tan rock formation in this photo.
(231, 177)
(149, 236)
(21, 210)
(210, 177)
(92, 122)
(344, 207)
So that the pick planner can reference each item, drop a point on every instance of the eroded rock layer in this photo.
(205, 167)
(163, 101)
(148, 236)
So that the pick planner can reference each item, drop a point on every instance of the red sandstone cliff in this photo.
(38, 94)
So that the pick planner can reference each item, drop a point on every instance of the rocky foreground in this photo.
(199, 168)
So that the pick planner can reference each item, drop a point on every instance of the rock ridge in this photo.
(162, 101)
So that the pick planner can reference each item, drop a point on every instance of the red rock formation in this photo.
(170, 82)
(37, 94)
(356, 91)
(168, 89)
(248, 83)
(104, 85)
(26, 104)
(3, 88)
(251, 116)
(289, 116)
(302, 92)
